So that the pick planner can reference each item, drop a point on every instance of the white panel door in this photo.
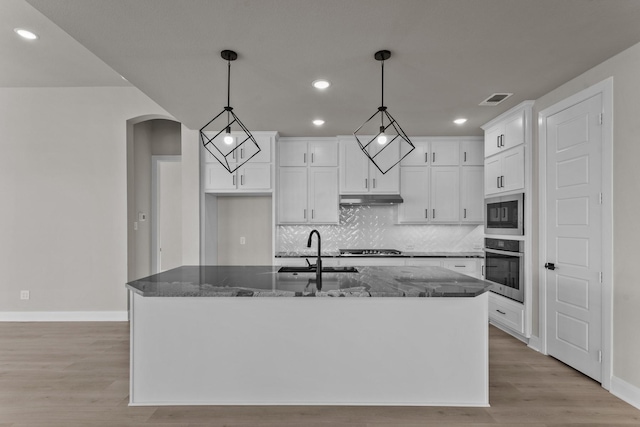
(323, 195)
(574, 235)
(292, 195)
(415, 192)
(472, 194)
(445, 194)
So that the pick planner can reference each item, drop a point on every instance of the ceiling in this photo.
(447, 55)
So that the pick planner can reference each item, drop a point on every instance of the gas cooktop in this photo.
(370, 252)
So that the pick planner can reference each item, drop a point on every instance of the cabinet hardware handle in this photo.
(465, 213)
(482, 271)
(433, 157)
(304, 158)
(305, 213)
(498, 182)
(366, 183)
(501, 312)
(465, 157)
(433, 216)
(426, 157)
(242, 153)
(374, 183)
(459, 266)
(426, 213)
(234, 179)
(311, 157)
(498, 140)
(502, 181)
(502, 141)
(233, 154)
(313, 215)
(241, 179)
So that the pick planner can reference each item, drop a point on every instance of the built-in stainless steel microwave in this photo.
(505, 215)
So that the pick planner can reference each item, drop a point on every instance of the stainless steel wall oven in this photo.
(505, 215)
(504, 266)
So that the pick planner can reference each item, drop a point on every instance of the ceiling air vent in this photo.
(495, 99)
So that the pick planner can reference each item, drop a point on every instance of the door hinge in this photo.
(599, 356)
(600, 274)
(600, 118)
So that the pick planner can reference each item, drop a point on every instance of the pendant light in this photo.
(390, 144)
(225, 136)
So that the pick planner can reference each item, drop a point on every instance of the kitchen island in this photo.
(221, 335)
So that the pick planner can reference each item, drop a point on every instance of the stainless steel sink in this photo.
(306, 269)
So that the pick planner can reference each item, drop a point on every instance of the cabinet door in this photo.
(217, 178)
(513, 131)
(248, 149)
(468, 266)
(419, 156)
(492, 173)
(472, 153)
(414, 189)
(472, 194)
(445, 194)
(388, 183)
(513, 169)
(292, 195)
(323, 153)
(445, 153)
(292, 153)
(492, 140)
(224, 149)
(323, 195)
(354, 168)
(254, 176)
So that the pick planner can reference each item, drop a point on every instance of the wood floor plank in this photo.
(77, 375)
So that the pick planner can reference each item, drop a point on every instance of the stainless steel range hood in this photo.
(370, 199)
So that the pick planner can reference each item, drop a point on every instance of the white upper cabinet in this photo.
(308, 181)
(445, 194)
(445, 152)
(415, 193)
(505, 134)
(420, 155)
(504, 172)
(472, 152)
(358, 175)
(472, 194)
(255, 175)
(308, 152)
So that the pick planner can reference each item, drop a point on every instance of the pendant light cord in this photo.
(228, 93)
(382, 91)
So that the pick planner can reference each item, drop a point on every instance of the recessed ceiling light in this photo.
(460, 121)
(318, 122)
(25, 34)
(321, 84)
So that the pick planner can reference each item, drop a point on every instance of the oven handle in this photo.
(496, 251)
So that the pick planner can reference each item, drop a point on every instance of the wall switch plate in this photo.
(243, 241)
(135, 225)
(24, 294)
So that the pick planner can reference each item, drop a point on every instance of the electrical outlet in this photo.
(24, 294)
(142, 216)
(243, 241)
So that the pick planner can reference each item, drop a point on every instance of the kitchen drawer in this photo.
(506, 312)
(424, 262)
(372, 262)
(300, 262)
(468, 266)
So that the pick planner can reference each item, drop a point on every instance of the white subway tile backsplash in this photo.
(375, 227)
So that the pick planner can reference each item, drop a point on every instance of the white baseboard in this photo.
(534, 343)
(510, 332)
(625, 391)
(64, 316)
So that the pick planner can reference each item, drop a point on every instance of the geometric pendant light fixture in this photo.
(381, 138)
(225, 136)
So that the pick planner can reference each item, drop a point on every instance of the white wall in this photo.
(63, 192)
(625, 69)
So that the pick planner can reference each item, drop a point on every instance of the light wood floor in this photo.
(76, 374)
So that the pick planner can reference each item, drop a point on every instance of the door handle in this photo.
(498, 141)
(311, 157)
(242, 153)
(426, 213)
(550, 266)
(433, 157)
(374, 183)
(500, 311)
(304, 158)
(502, 181)
(465, 157)
(426, 157)
(366, 183)
(433, 216)
(312, 210)
(234, 179)
(304, 213)
(498, 182)
(465, 213)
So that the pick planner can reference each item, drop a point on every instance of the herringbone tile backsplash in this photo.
(375, 227)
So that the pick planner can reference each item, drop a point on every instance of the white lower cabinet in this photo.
(468, 266)
(506, 312)
(373, 262)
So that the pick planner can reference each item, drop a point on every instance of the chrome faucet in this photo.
(319, 259)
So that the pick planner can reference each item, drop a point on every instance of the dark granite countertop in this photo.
(408, 254)
(265, 281)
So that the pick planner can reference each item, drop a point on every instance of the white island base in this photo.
(309, 351)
